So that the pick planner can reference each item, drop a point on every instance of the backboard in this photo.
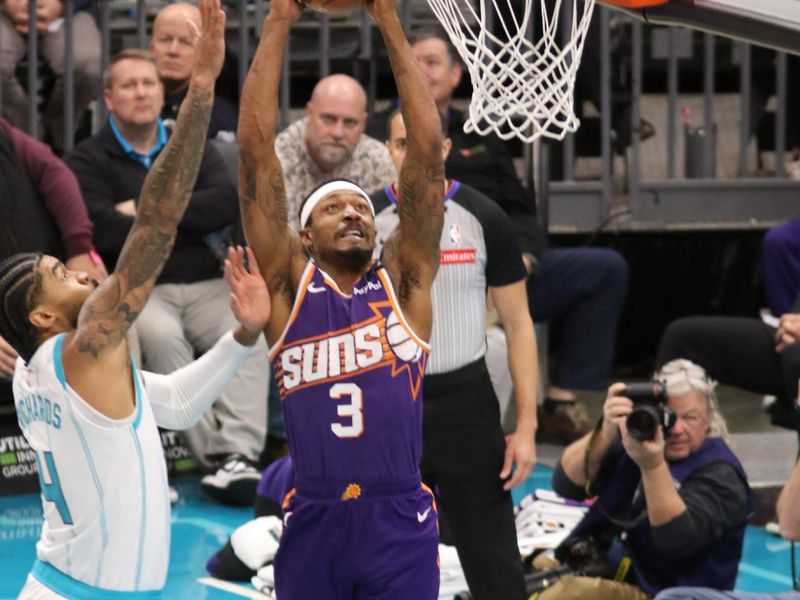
(771, 23)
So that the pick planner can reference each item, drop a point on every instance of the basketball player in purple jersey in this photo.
(348, 342)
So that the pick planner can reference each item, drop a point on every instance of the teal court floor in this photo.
(201, 526)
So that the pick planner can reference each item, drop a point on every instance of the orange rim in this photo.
(634, 3)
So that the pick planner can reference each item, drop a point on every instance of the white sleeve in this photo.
(179, 399)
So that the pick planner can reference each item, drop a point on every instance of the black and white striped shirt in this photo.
(478, 248)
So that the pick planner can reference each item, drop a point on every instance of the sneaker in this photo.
(567, 423)
(234, 482)
(773, 528)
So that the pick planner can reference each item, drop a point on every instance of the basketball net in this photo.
(520, 88)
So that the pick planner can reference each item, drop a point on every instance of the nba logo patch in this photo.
(455, 235)
(27, 376)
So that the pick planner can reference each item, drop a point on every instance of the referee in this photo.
(465, 454)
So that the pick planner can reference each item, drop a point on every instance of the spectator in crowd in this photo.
(788, 509)
(43, 211)
(14, 29)
(781, 266)
(747, 353)
(461, 417)
(579, 292)
(758, 355)
(329, 143)
(681, 498)
(172, 45)
(188, 310)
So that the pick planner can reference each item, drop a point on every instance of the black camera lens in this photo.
(649, 401)
(643, 422)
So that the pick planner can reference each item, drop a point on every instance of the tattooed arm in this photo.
(412, 255)
(98, 343)
(262, 190)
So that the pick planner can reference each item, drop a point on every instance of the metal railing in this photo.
(616, 190)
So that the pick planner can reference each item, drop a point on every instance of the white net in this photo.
(521, 88)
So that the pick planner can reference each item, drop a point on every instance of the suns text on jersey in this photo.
(335, 355)
(34, 407)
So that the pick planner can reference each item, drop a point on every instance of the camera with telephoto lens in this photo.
(650, 410)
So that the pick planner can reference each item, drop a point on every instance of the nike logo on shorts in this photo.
(312, 289)
(422, 516)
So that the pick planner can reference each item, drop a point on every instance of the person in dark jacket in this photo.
(788, 513)
(43, 211)
(671, 510)
(188, 310)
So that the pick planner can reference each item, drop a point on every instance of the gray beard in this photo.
(333, 155)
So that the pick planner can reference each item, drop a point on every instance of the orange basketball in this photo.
(333, 7)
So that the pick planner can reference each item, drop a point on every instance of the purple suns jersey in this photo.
(349, 370)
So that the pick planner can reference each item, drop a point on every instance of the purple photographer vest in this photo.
(716, 567)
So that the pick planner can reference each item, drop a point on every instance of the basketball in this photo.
(333, 7)
(403, 346)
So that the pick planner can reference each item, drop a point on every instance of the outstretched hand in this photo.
(250, 300)
(209, 42)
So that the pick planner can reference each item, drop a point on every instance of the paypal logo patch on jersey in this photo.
(370, 285)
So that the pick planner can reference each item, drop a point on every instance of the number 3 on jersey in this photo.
(352, 409)
(52, 491)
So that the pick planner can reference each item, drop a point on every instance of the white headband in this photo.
(337, 185)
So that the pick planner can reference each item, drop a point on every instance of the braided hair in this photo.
(20, 288)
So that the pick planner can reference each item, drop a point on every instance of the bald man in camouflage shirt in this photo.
(329, 143)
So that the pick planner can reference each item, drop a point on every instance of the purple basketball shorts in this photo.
(359, 541)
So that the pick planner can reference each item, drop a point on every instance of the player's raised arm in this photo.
(262, 190)
(109, 312)
(412, 256)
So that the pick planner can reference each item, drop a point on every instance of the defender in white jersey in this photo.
(85, 409)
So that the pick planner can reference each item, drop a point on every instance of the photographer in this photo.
(672, 508)
(788, 512)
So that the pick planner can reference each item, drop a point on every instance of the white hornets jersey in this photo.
(103, 484)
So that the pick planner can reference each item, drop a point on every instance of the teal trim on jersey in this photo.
(63, 584)
(57, 364)
(138, 389)
(143, 503)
